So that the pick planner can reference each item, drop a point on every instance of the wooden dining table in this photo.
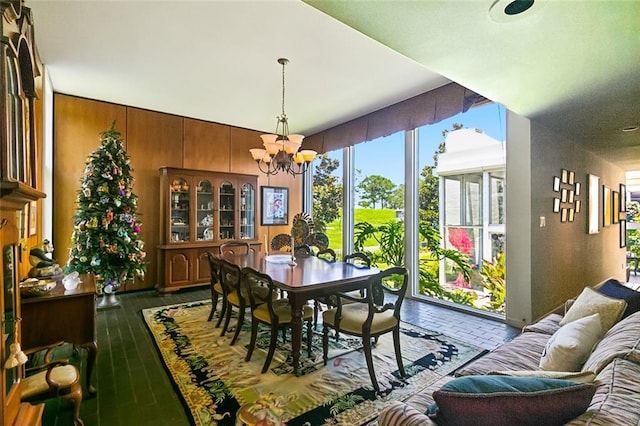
(310, 278)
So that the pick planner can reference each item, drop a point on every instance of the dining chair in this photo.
(275, 313)
(235, 247)
(377, 313)
(303, 250)
(52, 378)
(358, 259)
(237, 295)
(216, 289)
(327, 254)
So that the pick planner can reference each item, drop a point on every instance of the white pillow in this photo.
(591, 302)
(570, 346)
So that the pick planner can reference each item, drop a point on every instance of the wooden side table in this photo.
(63, 315)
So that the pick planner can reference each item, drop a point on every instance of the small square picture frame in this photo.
(572, 178)
(556, 205)
(564, 176)
(556, 184)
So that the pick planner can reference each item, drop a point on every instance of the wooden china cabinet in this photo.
(199, 210)
(19, 79)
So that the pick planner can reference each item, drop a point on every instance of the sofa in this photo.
(610, 366)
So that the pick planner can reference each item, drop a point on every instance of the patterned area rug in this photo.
(217, 385)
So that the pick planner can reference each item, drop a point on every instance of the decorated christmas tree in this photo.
(106, 234)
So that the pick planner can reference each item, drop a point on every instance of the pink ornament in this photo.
(137, 229)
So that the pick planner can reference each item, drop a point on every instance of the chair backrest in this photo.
(235, 247)
(230, 276)
(303, 250)
(358, 258)
(214, 266)
(391, 281)
(327, 254)
(251, 277)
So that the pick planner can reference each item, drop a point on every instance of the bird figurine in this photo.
(43, 266)
(38, 258)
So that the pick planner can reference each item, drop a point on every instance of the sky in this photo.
(385, 156)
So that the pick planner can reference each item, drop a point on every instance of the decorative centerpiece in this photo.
(106, 235)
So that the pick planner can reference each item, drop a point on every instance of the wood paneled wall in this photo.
(152, 140)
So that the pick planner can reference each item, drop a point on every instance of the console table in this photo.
(63, 315)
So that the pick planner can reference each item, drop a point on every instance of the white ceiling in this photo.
(573, 64)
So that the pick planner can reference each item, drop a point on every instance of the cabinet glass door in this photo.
(227, 211)
(247, 211)
(180, 202)
(204, 209)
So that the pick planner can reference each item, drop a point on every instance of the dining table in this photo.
(305, 278)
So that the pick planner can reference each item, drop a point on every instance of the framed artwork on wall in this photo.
(556, 184)
(623, 201)
(623, 233)
(275, 205)
(564, 215)
(615, 207)
(33, 225)
(594, 204)
(606, 206)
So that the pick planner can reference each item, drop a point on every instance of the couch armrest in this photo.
(400, 414)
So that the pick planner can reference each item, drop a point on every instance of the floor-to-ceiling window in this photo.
(468, 214)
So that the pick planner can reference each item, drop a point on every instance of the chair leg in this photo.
(75, 397)
(309, 337)
(254, 337)
(272, 348)
(238, 326)
(325, 343)
(366, 342)
(214, 305)
(396, 345)
(227, 318)
(316, 311)
(223, 311)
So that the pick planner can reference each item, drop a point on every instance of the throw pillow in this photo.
(590, 302)
(570, 346)
(575, 376)
(504, 400)
(613, 288)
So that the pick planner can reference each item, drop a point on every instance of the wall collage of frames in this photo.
(566, 202)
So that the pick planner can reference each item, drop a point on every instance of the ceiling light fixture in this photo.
(630, 128)
(281, 152)
(504, 11)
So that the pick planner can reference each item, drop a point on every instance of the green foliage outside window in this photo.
(633, 235)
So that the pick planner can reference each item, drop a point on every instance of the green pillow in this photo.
(506, 400)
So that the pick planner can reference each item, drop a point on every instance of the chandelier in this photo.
(281, 152)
